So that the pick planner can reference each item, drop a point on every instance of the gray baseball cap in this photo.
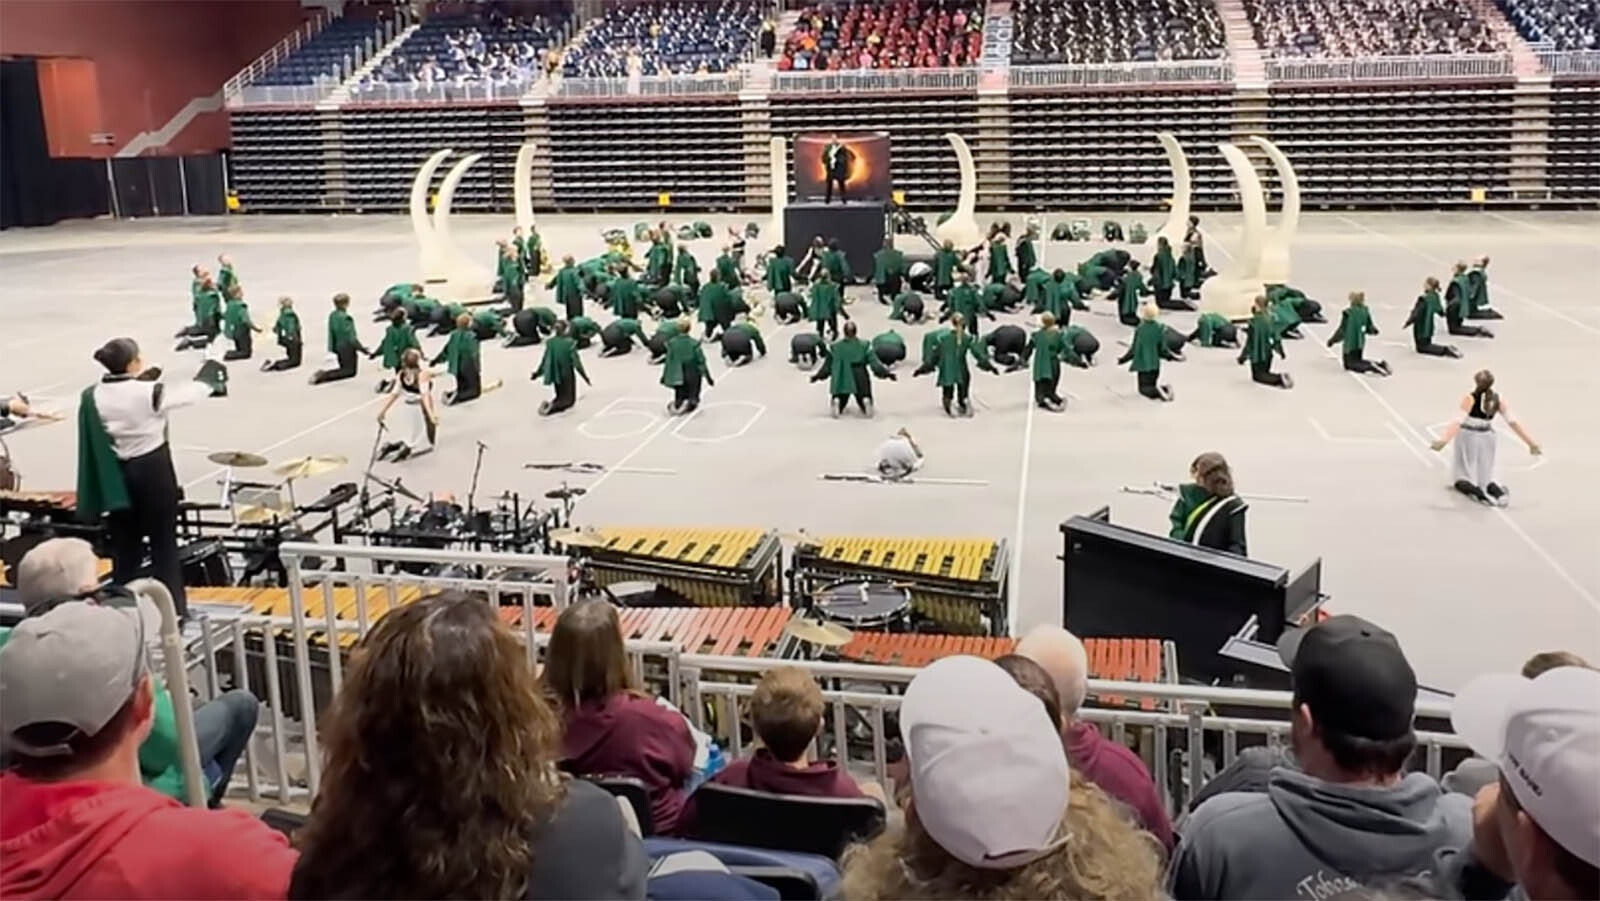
(76, 666)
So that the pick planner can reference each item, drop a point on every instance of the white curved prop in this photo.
(1182, 186)
(447, 273)
(779, 159)
(421, 225)
(522, 186)
(962, 226)
(1231, 292)
(1279, 241)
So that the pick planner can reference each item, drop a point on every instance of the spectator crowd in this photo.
(898, 34)
(1351, 28)
(1556, 24)
(1088, 31)
(484, 49)
(452, 768)
(674, 37)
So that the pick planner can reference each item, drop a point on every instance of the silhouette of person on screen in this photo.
(836, 162)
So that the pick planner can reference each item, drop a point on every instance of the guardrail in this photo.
(1392, 68)
(874, 80)
(1570, 62)
(438, 92)
(1069, 75)
(647, 86)
(282, 94)
(290, 43)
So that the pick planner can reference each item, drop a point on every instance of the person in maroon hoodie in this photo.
(75, 702)
(1109, 764)
(612, 728)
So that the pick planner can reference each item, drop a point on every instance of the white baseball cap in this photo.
(989, 776)
(1544, 733)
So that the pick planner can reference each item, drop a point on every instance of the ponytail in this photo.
(1211, 472)
(1489, 401)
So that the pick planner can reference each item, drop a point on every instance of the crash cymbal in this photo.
(306, 467)
(827, 635)
(237, 459)
(577, 538)
(256, 515)
(561, 494)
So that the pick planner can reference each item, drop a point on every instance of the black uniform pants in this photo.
(960, 390)
(514, 296)
(1148, 384)
(1457, 327)
(686, 396)
(889, 289)
(1355, 361)
(469, 383)
(831, 324)
(1047, 389)
(243, 346)
(566, 394)
(835, 180)
(1262, 374)
(152, 516)
(1431, 349)
(346, 368)
(293, 351)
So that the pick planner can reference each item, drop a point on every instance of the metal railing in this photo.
(874, 81)
(1071, 75)
(283, 94)
(1570, 62)
(437, 92)
(1392, 68)
(647, 85)
(277, 52)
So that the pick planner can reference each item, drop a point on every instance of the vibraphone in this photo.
(710, 567)
(960, 583)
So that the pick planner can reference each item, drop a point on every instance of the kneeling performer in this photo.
(419, 421)
(560, 368)
(618, 336)
(531, 325)
(683, 369)
(741, 342)
(1008, 346)
(850, 360)
(1261, 342)
(805, 348)
(899, 457)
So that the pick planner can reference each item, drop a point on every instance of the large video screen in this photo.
(861, 163)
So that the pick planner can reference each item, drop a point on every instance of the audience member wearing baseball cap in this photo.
(1349, 816)
(993, 810)
(76, 701)
(1539, 825)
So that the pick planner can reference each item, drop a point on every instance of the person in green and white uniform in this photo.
(513, 276)
(1164, 277)
(683, 369)
(888, 272)
(999, 255)
(826, 305)
(727, 268)
(463, 360)
(1188, 273)
(741, 341)
(398, 338)
(1355, 324)
(1146, 351)
(623, 295)
(848, 365)
(686, 271)
(237, 326)
(560, 368)
(949, 357)
(343, 344)
(1207, 512)
(966, 302)
(205, 301)
(1261, 342)
(227, 278)
(908, 307)
(889, 348)
(1216, 330)
(658, 259)
(1047, 347)
(583, 331)
(1456, 306)
(286, 328)
(945, 265)
(780, 272)
(618, 337)
(1421, 322)
(568, 287)
(1128, 294)
(1027, 252)
(714, 306)
(1478, 306)
(531, 326)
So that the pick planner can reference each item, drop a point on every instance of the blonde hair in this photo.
(1104, 856)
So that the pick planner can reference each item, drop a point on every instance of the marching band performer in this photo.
(1476, 442)
(419, 420)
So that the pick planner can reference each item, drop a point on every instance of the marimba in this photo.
(959, 583)
(708, 567)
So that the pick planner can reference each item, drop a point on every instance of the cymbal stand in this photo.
(372, 460)
(472, 493)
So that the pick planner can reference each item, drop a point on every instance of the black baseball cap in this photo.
(1353, 676)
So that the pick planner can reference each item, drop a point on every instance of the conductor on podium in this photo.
(836, 162)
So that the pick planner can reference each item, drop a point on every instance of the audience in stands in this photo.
(470, 50)
(441, 777)
(994, 811)
(1538, 825)
(1344, 28)
(1350, 815)
(1557, 24)
(76, 703)
(669, 37)
(1091, 31)
(612, 728)
(66, 569)
(1108, 764)
(899, 34)
(1471, 775)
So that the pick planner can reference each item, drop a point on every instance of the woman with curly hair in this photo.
(440, 776)
(994, 812)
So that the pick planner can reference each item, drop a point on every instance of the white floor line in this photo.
(1541, 229)
(1499, 289)
(293, 438)
(1015, 602)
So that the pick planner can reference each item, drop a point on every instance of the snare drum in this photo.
(865, 605)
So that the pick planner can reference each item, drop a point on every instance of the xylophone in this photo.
(47, 504)
(959, 583)
(708, 567)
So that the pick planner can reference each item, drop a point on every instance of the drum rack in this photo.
(961, 584)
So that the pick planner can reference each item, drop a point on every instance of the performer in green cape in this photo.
(888, 272)
(949, 358)
(1027, 254)
(835, 264)
(237, 326)
(683, 369)
(1215, 330)
(397, 339)
(741, 341)
(1355, 324)
(205, 302)
(780, 272)
(1146, 351)
(568, 285)
(619, 335)
(658, 260)
(1478, 306)
(945, 265)
(849, 361)
(583, 331)
(826, 305)
(1261, 342)
(1457, 306)
(999, 256)
(889, 347)
(908, 307)
(686, 271)
(1048, 347)
(1428, 308)
(343, 343)
(1128, 294)
(1164, 277)
(463, 360)
(966, 302)
(286, 328)
(715, 306)
(513, 275)
(559, 368)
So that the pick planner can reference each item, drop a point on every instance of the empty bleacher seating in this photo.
(383, 147)
(1344, 28)
(480, 48)
(899, 34)
(1089, 31)
(327, 54)
(1573, 168)
(269, 160)
(1556, 24)
(624, 156)
(664, 38)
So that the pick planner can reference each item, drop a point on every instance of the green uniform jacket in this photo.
(891, 338)
(569, 289)
(1068, 289)
(459, 351)
(1284, 315)
(837, 267)
(226, 280)
(1186, 510)
(966, 300)
(944, 267)
(1027, 257)
(950, 358)
(207, 308)
(1188, 272)
(397, 339)
(715, 303)
(1261, 341)
(1034, 288)
(1208, 325)
(1355, 324)
(930, 343)
(560, 360)
(728, 270)
(1422, 314)
(510, 271)
(749, 328)
(287, 326)
(780, 275)
(1149, 345)
(533, 254)
(490, 321)
(236, 319)
(624, 297)
(886, 264)
(101, 488)
(544, 317)
(630, 328)
(1163, 270)
(658, 262)
(683, 354)
(825, 303)
(582, 327)
(897, 308)
(1462, 284)
(1477, 289)
(1048, 346)
(341, 331)
(999, 261)
(687, 269)
(843, 358)
(1128, 300)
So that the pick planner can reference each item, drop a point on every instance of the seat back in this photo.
(796, 876)
(745, 816)
(634, 792)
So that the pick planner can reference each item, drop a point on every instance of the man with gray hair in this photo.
(56, 569)
(1108, 764)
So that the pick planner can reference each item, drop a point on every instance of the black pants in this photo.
(520, 340)
(1458, 327)
(1485, 313)
(616, 348)
(686, 397)
(1164, 300)
(1047, 389)
(243, 346)
(1432, 349)
(840, 401)
(152, 516)
(831, 324)
(566, 395)
(514, 295)
(960, 390)
(889, 290)
(1148, 386)
(835, 180)
(1262, 374)
(469, 383)
(345, 370)
(1354, 361)
(291, 360)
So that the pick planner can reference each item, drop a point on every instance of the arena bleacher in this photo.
(662, 38)
(325, 55)
(899, 34)
(1351, 28)
(1086, 31)
(477, 48)
(1556, 24)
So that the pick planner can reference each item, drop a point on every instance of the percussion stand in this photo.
(472, 492)
(372, 460)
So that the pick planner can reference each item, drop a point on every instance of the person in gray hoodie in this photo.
(1349, 816)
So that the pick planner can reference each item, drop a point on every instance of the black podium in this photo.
(860, 227)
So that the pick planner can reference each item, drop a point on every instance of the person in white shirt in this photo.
(125, 464)
(899, 457)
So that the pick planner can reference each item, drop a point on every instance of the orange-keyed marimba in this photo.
(48, 503)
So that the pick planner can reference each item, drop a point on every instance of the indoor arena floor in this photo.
(1467, 588)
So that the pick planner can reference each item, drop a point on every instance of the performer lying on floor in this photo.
(889, 348)
(1215, 330)
(898, 457)
(531, 325)
(805, 349)
(1007, 346)
(908, 307)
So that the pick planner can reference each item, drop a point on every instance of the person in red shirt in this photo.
(613, 728)
(76, 700)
